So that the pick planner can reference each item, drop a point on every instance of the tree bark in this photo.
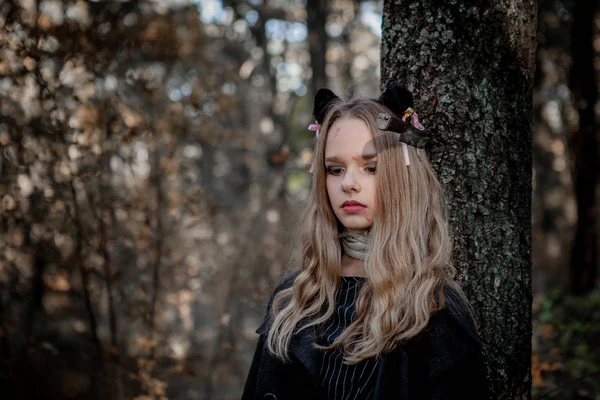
(470, 66)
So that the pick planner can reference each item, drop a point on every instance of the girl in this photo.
(370, 311)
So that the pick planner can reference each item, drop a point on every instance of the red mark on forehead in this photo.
(337, 131)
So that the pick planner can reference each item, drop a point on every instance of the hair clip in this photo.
(389, 122)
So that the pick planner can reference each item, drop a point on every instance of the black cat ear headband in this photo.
(402, 120)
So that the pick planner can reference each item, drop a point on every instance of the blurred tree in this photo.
(470, 66)
(346, 42)
(554, 210)
(317, 12)
(584, 254)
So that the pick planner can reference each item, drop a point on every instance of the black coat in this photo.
(443, 362)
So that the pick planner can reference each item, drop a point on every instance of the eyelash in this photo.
(334, 170)
(372, 167)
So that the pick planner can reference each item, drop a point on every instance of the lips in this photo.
(351, 203)
(353, 206)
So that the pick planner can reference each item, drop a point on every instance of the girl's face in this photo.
(350, 165)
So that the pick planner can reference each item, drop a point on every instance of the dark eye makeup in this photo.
(333, 170)
(372, 168)
(336, 170)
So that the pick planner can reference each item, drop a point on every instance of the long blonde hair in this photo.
(408, 265)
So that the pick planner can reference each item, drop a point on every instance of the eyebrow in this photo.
(366, 157)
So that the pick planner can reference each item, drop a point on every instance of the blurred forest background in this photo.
(153, 162)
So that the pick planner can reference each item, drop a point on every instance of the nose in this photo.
(350, 182)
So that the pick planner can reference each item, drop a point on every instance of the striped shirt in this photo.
(339, 380)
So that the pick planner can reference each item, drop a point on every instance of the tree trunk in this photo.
(317, 11)
(470, 66)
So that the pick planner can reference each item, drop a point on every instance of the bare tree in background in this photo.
(317, 12)
(584, 256)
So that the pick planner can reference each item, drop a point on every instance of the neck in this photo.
(352, 266)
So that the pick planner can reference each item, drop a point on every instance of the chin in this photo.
(353, 225)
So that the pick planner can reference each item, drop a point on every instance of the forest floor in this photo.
(566, 346)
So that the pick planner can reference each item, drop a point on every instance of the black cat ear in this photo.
(323, 100)
(397, 98)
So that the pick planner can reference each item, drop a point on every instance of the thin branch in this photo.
(84, 272)
(106, 276)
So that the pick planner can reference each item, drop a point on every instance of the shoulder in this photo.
(451, 335)
(286, 282)
(457, 310)
(455, 319)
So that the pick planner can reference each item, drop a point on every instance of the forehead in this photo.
(349, 137)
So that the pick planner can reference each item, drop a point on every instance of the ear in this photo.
(323, 100)
(397, 98)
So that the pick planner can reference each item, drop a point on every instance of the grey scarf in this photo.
(355, 243)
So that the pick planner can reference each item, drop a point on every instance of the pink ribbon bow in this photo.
(414, 121)
(315, 128)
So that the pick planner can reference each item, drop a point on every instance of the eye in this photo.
(333, 170)
(371, 168)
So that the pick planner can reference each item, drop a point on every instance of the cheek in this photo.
(373, 200)
(372, 185)
(329, 187)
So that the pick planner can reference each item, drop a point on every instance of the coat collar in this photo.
(445, 342)
(302, 347)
